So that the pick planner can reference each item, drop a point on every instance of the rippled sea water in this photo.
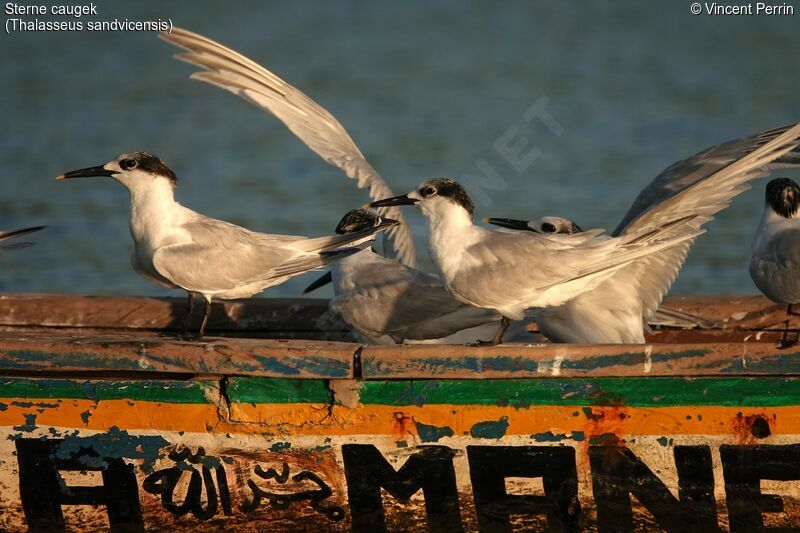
(425, 89)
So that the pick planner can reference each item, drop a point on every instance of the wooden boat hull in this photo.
(133, 431)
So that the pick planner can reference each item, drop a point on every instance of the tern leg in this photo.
(187, 315)
(206, 314)
(785, 342)
(498, 337)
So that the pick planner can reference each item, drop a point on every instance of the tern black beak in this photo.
(321, 282)
(396, 200)
(87, 173)
(510, 223)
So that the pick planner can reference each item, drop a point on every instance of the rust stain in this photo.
(403, 426)
(604, 425)
(749, 429)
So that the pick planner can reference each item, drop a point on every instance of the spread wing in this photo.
(312, 124)
(701, 185)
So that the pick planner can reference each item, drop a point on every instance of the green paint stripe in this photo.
(278, 390)
(633, 392)
(150, 391)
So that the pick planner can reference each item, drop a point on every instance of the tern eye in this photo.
(128, 164)
(428, 191)
(548, 228)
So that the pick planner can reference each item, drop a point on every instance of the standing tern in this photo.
(179, 248)
(312, 124)
(619, 309)
(775, 261)
(510, 272)
(11, 234)
(384, 300)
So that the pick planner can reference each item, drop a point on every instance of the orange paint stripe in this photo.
(318, 419)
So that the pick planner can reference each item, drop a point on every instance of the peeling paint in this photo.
(491, 429)
(113, 444)
(30, 423)
(429, 433)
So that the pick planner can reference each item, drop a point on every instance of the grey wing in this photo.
(701, 185)
(312, 124)
(222, 256)
(507, 267)
(397, 300)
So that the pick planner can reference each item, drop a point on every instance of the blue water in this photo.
(426, 89)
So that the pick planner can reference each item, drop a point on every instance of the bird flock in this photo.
(579, 286)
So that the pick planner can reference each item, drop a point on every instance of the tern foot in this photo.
(786, 343)
(492, 342)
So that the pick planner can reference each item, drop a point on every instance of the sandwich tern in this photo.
(387, 302)
(11, 234)
(619, 309)
(775, 260)
(176, 247)
(510, 272)
(309, 121)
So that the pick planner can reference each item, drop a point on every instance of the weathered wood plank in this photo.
(54, 351)
(265, 315)
(548, 360)
(300, 317)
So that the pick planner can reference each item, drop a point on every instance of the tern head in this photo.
(134, 170)
(783, 196)
(542, 225)
(360, 219)
(435, 197)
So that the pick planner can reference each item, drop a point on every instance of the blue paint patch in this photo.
(664, 441)
(578, 435)
(548, 436)
(85, 416)
(785, 363)
(598, 362)
(28, 405)
(310, 364)
(432, 433)
(490, 429)
(30, 423)
(3, 407)
(113, 444)
(278, 446)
